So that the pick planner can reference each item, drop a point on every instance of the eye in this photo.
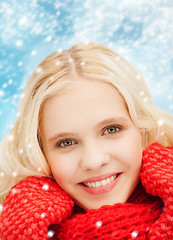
(112, 129)
(65, 143)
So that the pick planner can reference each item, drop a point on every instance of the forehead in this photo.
(84, 99)
(86, 91)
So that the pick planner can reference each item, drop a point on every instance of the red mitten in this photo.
(157, 178)
(31, 206)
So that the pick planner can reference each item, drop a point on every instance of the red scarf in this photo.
(37, 208)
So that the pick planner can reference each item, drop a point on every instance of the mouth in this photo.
(101, 183)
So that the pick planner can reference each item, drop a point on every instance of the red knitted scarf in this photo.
(120, 221)
(37, 208)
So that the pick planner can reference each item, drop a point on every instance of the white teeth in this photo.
(103, 182)
(98, 184)
(109, 180)
(112, 178)
(93, 184)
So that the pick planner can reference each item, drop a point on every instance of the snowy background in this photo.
(139, 30)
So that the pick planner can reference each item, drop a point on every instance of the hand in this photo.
(157, 178)
(157, 170)
(31, 206)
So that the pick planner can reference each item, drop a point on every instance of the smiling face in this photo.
(91, 144)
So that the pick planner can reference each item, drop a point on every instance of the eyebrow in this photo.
(122, 120)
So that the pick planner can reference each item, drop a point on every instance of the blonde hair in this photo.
(21, 149)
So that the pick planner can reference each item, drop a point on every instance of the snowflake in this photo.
(171, 107)
(4, 85)
(169, 97)
(49, 38)
(14, 190)
(98, 224)
(162, 133)
(1, 174)
(29, 145)
(70, 60)
(39, 70)
(19, 43)
(45, 187)
(20, 64)
(134, 234)
(1, 93)
(50, 233)
(23, 21)
(22, 95)
(57, 63)
(117, 59)
(160, 122)
(18, 114)
(24, 200)
(39, 169)
(34, 52)
(145, 99)
(142, 93)
(1, 207)
(138, 76)
(10, 138)
(21, 151)
(42, 215)
(14, 174)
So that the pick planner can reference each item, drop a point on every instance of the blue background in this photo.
(141, 31)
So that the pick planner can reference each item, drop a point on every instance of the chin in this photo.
(89, 206)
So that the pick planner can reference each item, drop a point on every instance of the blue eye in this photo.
(65, 143)
(69, 142)
(112, 129)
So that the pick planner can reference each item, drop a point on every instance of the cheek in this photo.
(128, 150)
(63, 168)
(134, 150)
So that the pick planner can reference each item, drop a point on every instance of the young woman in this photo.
(90, 156)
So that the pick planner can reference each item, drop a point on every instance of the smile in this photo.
(101, 183)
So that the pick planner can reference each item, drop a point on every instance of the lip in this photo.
(99, 178)
(103, 189)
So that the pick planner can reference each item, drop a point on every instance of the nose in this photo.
(93, 157)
